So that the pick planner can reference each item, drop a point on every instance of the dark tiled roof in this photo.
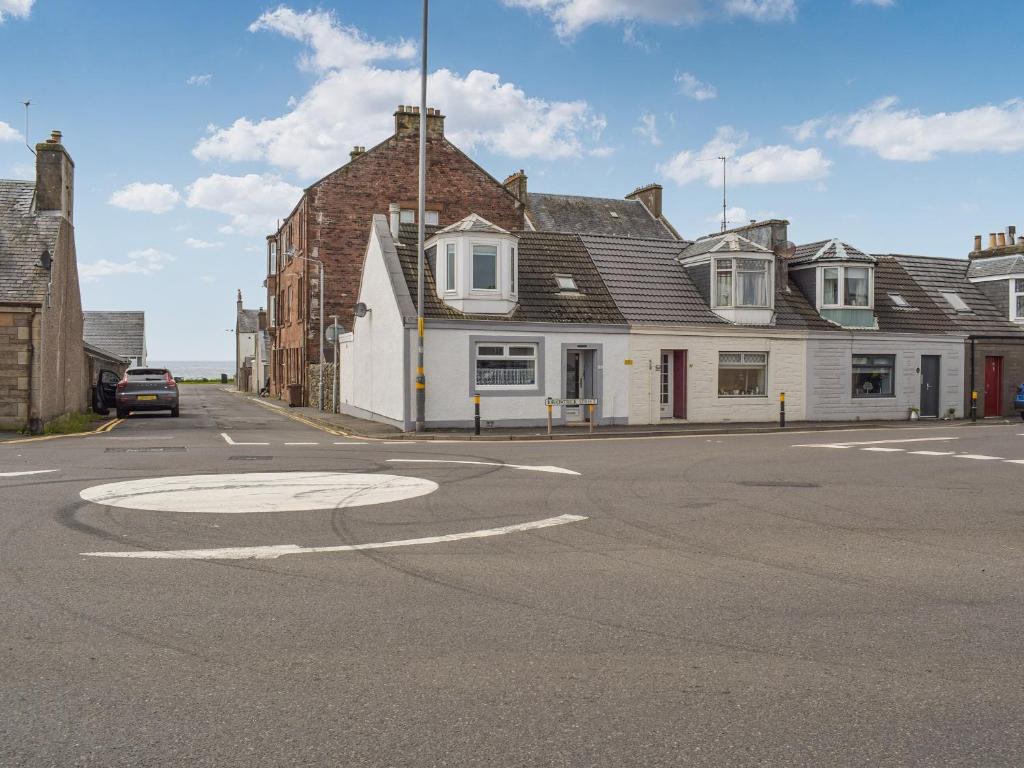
(541, 256)
(123, 333)
(23, 237)
(996, 266)
(573, 213)
(828, 250)
(248, 321)
(937, 275)
(651, 287)
(922, 315)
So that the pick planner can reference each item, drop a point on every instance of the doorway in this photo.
(672, 384)
(930, 366)
(665, 391)
(579, 384)
(993, 386)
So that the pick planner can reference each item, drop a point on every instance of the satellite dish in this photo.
(787, 250)
(360, 310)
(332, 332)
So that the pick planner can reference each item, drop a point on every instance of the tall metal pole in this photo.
(724, 225)
(421, 380)
(321, 335)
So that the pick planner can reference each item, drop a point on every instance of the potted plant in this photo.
(915, 413)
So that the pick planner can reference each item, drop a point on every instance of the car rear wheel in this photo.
(174, 412)
(122, 413)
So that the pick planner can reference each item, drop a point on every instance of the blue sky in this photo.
(897, 125)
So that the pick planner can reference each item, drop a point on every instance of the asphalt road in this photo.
(727, 601)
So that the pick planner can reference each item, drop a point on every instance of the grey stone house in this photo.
(43, 371)
(123, 333)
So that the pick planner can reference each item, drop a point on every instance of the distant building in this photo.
(123, 333)
(250, 348)
(43, 370)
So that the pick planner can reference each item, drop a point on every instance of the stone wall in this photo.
(312, 390)
(15, 335)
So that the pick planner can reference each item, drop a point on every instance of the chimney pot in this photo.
(1011, 234)
(1000, 239)
(991, 239)
(977, 242)
(395, 217)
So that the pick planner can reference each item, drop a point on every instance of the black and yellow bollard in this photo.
(782, 409)
(974, 406)
(476, 414)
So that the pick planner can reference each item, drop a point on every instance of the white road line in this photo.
(29, 472)
(302, 443)
(979, 457)
(1014, 461)
(275, 551)
(529, 467)
(351, 443)
(844, 444)
(885, 450)
(229, 441)
(933, 453)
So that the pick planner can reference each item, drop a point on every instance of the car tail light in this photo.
(122, 383)
(170, 380)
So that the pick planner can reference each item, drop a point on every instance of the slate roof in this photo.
(123, 333)
(829, 250)
(936, 275)
(651, 287)
(922, 316)
(23, 237)
(596, 215)
(996, 266)
(541, 255)
(248, 321)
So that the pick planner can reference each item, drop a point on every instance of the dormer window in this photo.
(475, 269)
(855, 285)
(742, 282)
(1017, 300)
(566, 283)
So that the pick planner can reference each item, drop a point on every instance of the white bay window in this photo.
(1017, 299)
(845, 286)
(742, 283)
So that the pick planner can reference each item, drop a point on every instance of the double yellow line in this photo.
(100, 430)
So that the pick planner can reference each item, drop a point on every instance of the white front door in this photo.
(665, 384)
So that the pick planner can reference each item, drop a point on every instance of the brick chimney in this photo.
(55, 177)
(516, 184)
(407, 122)
(356, 152)
(650, 196)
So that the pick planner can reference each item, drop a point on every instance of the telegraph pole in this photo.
(725, 224)
(421, 380)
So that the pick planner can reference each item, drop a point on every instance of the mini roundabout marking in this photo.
(246, 493)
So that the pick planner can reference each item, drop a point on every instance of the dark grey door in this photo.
(930, 385)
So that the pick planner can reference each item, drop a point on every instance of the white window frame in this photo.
(734, 272)
(512, 270)
(473, 245)
(431, 218)
(843, 304)
(406, 216)
(506, 354)
(1016, 293)
(451, 261)
(566, 283)
(758, 359)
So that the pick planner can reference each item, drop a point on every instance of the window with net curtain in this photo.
(506, 365)
(742, 374)
(742, 283)
(855, 282)
(1018, 299)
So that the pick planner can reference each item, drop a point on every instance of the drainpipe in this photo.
(34, 426)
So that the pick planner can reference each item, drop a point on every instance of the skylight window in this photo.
(954, 300)
(566, 283)
(898, 300)
(614, 215)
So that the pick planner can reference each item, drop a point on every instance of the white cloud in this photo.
(192, 242)
(354, 98)
(19, 8)
(199, 80)
(688, 85)
(144, 262)
(647, 128)
(254, 202)
(572, 16)
(764, 165)
(208, 278)
(7, 133)
(907, 134)
(152, 198)
(806, 130)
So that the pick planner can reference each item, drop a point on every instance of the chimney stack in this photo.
(1011, 234)
(55, 177)
(394, 219)
(407, 122)
(650, 196)
(238, 303)
(516, 184)
(356, 152)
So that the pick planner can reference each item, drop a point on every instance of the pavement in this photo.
(302, 598)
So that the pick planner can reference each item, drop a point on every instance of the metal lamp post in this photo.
(421, 379)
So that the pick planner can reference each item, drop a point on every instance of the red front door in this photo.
(993, 386)
(679, 384)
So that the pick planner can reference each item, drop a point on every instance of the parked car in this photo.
(104, 393)
(146, 389)
(1018, 401)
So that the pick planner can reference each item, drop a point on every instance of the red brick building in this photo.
(332, 221)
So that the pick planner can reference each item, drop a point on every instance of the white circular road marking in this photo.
(258, 492)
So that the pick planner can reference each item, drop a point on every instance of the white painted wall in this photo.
(449, 397)
(786, 370)
(373, 374)
(830, 375)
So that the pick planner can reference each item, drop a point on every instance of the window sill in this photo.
(873, 397)
(742, 397)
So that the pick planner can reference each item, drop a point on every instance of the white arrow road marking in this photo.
(978, 456)
(933, 453)
(229, 441)
(884, 450)
(275, 551)
(30, 472)
(874, 442)
(530, 467)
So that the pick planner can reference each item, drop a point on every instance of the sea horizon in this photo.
(196, 369)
